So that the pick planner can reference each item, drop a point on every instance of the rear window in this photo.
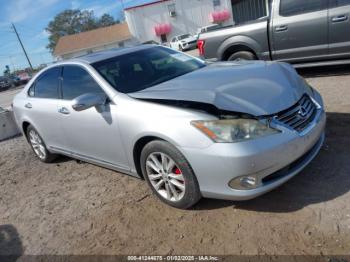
(46, 86)
(213, 27)
(296, 7)
(145, 68)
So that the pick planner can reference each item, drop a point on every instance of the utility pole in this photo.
(19, 39)
(123, 7)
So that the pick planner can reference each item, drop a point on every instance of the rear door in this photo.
(339, 28)
(299, 30)
(42, 107)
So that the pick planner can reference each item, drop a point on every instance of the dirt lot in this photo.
(76, 208)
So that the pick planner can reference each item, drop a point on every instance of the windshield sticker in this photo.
(181, 57)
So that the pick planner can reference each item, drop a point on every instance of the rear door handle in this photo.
(28, 105)
(281, 28)
(64, 110)
(339, 18)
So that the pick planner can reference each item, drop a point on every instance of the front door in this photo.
(339, 28)
(92, 133)
(300, 30)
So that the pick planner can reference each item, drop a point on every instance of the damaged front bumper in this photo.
(259, 165)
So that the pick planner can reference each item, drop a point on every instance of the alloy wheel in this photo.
(165, 176)
(37, 144)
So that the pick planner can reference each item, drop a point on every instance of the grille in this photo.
(192, 42)
(299, 116)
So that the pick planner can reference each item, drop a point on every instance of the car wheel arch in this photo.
(235, 49)
(25, 125)
(238, 42)
(137, 149)
(141, 141)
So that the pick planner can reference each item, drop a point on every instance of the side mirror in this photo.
(87, 101)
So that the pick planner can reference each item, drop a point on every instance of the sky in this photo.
(31, 17)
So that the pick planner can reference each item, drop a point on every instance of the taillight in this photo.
(200, 45)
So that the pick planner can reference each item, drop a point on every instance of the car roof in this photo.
(104, 55)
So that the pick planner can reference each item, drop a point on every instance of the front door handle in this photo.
(64, 110)
(339, 18)
(28, 105)
(281, 28)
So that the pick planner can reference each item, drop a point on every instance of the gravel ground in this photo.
(69, 207)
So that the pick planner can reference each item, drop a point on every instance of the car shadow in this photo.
(62, 159)
(324, 179)
(10, 244)
(324, 71)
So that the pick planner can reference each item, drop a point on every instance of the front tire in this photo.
(242, 56)
(169, 175)
(38, 145)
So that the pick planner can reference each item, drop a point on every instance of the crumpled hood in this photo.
(257, 88)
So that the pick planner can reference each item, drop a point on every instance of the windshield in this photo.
(183, 36)
(145, 68)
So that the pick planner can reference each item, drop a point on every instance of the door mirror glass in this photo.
(87, 101)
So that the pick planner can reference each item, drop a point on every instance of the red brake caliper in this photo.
(177, 171)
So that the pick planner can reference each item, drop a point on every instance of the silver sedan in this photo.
(189, 128)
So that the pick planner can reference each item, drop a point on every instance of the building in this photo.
(161, 20)
(109, 37)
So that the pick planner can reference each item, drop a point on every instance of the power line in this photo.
(19, 39)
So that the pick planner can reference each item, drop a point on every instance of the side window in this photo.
(46, 86)
(296, 7)
(336, 3)
(77, 81)
(216, 3)
(31, 90)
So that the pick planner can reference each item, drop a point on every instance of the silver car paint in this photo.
(108, 137)
(272, 87)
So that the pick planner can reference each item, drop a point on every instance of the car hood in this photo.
(257, 88)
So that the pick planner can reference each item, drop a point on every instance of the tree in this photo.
(75, 21)
(106, 20)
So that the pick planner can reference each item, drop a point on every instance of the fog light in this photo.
(244, 183)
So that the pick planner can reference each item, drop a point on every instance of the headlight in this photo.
(308, 86)
(234, 130)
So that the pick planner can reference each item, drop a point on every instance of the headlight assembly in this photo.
(308, 86)
(234, 130)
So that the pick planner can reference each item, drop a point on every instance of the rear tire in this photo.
(241, 56)
(38, 145)
(181, 176)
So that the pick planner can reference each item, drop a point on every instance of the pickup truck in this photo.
(304, 33)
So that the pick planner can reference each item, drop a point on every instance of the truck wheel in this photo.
(242, 55)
